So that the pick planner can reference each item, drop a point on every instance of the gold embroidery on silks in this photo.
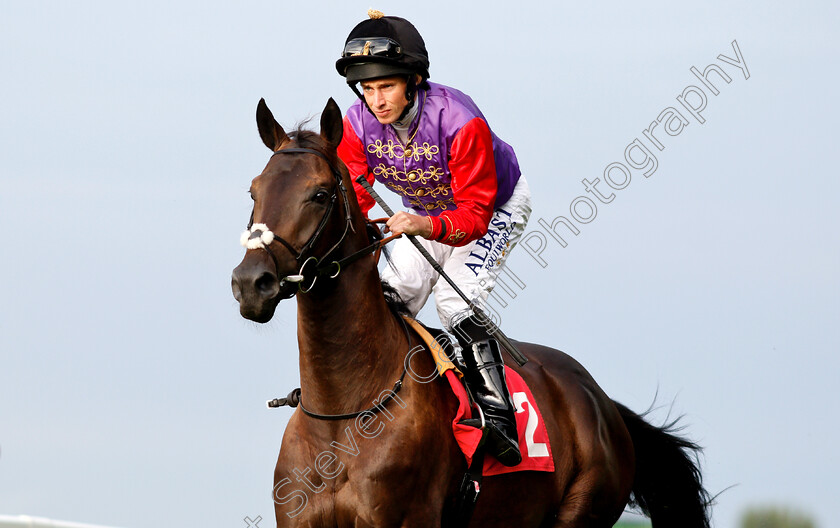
(413, 196)
(421, 176)
(421, 184)
(441, 190)
(439, 204)
(419, 192)
(386, 172)
(455, 234)
(381, 149)
(425, 150)
(394, 150)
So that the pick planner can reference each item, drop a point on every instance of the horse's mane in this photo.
(394, 301)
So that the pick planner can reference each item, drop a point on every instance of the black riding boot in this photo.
(485, 377)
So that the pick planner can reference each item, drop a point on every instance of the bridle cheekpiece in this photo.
(260, 236)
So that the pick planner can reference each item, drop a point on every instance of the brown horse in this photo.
(397, 464)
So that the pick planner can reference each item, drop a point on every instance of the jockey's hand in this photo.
(409, 224)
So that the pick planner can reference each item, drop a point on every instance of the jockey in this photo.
(466, 201)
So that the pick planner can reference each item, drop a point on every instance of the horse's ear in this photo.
(271, 132)
(332, 127)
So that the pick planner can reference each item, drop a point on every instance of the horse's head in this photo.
(302, 215)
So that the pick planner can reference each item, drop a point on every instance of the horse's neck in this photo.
(351, 346)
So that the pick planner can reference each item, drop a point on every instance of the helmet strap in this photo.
(355, 88)
(410, 95)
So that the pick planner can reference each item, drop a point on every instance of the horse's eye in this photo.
(321, 197)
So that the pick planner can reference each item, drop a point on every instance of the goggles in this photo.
(375, 47)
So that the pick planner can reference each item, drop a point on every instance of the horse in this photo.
(369, 446)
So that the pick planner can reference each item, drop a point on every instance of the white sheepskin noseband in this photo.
(259, 236)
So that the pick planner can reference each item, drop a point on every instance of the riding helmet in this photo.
(383, 46)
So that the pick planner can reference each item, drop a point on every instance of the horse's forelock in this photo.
(307, 138)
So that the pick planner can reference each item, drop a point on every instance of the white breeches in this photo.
(473, 267)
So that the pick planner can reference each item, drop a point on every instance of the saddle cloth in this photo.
(533, 438)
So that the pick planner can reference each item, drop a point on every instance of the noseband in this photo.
(259, 236)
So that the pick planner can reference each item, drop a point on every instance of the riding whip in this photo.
(485, 321)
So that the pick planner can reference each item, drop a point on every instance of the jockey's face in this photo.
(386, 98)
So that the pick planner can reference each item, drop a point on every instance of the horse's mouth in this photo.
(261, 311)
(259, 315)
(258, 292)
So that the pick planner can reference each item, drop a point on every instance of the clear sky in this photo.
(131, 391)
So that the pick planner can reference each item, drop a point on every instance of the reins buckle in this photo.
(337, 269)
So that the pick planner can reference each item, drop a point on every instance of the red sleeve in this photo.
(352, 153)
(474, 184)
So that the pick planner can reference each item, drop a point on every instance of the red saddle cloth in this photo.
(533, 438)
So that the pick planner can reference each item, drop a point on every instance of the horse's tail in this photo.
(667, 486)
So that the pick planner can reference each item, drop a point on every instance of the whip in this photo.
(483, 320)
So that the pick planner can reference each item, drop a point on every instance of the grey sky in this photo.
(131, 392)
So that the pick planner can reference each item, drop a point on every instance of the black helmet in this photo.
(383, 46)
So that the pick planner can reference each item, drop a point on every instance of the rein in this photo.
(259, 236)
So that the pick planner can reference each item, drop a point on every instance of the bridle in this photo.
(259, 236)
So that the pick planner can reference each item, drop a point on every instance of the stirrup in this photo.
(478, 423)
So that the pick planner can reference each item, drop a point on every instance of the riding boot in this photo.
(485, 377)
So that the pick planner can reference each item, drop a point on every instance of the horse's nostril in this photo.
(237, 291)
(267, 285)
